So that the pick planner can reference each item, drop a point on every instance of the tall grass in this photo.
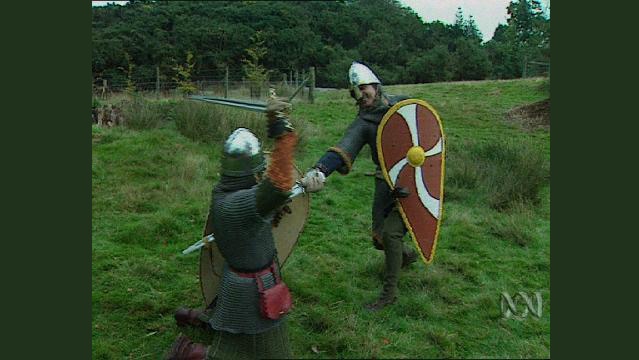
(505, 172)
(140, 113)
(208, 123)
(516, 226)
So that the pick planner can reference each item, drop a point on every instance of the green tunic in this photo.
(363, 131)
(388, 226)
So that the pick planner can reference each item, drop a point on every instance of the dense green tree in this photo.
(505, 59)
(464, 28)
(525, 38)
(471, 31)
(433, 65)
(470, 61)
(255, 72)
(328, 35)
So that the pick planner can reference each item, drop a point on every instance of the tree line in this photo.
(131, 42)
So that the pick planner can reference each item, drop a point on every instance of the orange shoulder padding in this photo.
(280, 169)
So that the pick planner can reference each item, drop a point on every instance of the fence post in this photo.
(303, 77)
(226, 82)
(104, 88)
(311, 86)
(297, 78)
(157, 81)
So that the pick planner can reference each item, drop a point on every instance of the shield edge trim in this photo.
(204, 251)
(380, 155)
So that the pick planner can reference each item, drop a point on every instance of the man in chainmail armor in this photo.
(388, 227)
(243, 205)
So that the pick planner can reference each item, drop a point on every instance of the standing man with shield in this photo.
(390, 220)
(250, 311)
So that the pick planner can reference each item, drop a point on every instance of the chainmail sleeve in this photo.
(273, 191)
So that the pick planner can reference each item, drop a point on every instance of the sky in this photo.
(487, 13)
(103, 3)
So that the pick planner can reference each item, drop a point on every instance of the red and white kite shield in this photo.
(410, 147)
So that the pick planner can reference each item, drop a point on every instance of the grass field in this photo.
(151, 190)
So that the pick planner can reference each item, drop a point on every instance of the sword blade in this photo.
(242, 104)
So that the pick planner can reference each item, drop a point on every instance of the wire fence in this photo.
(228, 84)
(536, 68)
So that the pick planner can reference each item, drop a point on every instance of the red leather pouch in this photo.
(276, 301)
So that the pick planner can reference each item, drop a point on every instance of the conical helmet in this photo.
(360, 74)
(242, 154)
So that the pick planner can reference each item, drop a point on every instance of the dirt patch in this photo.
(531, 116)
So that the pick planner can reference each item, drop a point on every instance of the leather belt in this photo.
(267, 270)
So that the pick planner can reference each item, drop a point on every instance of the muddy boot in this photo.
(387, 297)
(377, 243)
(409, 256)
(190, 317)
(393, 246)
(185, 349)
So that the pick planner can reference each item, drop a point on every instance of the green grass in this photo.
(151, 192)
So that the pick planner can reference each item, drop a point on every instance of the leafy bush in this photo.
(184, 74)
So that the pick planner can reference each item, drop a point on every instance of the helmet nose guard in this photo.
(242, 154)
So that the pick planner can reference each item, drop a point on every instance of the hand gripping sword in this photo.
(297, 190)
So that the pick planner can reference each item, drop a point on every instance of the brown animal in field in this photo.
(112, 117)
(100, 115)
(108, 115)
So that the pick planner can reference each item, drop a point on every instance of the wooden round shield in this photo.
(285, 235)
(410, 147)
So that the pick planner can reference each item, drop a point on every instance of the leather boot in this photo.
(387, 297)
(393, 248)
(377, 242)
(409, 256)
(190, 317)
(185, 349)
